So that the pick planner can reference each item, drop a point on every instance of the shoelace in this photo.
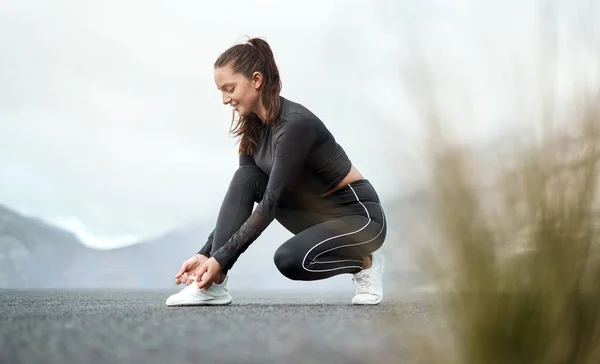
(192, 286)
(363, 284)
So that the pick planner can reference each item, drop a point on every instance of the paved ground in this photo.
(66, 327)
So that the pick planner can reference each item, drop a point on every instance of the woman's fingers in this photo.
(200, 272)
(202, 276)
(182, 271)
(190, 279)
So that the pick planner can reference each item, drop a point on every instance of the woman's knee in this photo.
(288, 262)
(248, 171)
(249, 178)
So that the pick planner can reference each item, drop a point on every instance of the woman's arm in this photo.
(291, 150)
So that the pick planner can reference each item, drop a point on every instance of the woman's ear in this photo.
(257, 79)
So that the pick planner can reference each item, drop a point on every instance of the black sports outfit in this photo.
(295, 163)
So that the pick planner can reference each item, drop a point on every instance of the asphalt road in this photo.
(66, 327)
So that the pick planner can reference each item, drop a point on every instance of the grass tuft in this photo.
(516, 252)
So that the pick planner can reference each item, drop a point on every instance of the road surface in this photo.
(96, 327)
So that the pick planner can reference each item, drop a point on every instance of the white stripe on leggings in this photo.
(339, 261)
(346, 234)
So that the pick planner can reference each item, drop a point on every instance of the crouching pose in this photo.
(292, 167)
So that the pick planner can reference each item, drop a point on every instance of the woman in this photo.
(291, 165)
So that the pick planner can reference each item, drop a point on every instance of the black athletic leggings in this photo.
(331, 234)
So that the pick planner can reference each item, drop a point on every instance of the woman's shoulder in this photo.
(296, 119)
(293, 112)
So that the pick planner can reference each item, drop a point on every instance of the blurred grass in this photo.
(516, 253)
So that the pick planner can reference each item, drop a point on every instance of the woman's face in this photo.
(238, 91)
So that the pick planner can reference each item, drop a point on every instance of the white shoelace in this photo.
(363, 283)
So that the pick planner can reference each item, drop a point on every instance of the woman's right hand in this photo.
(189, 268)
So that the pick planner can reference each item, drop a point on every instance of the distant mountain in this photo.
(35, 254)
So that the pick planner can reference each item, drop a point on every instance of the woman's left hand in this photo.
(207, 274)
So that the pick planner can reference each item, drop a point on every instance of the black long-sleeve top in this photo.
(300, 156)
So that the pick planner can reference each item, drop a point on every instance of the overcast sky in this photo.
(111, 124)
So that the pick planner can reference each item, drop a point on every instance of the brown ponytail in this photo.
(254, 56)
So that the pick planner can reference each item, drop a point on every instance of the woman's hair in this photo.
(254, 56)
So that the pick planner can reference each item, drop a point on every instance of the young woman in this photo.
(292, 166)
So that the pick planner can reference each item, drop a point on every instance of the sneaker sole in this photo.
(216, 302)
(366, 303)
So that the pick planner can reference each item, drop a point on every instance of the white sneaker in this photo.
(191, 295)
(369, 283)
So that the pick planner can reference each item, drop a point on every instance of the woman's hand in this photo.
(189, 268)
(208, 273)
